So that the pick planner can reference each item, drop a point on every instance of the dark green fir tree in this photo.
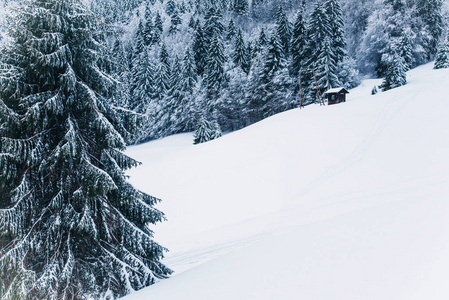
(442, 57)
(214, 72)
(71, 226)
(158, 28)
(199, 49)
(240, 55)
(231, 30)
(284, 30)
(395, 75)
(299, 42)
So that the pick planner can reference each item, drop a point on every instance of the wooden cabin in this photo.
(336, 95)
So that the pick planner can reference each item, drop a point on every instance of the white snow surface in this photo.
(342, 202)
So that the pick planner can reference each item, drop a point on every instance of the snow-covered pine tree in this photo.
(275, 87)
(199, 49)
(231, 105)
(216, 130)
(158, 28)
(386, 26)
(185, 112)
(213, 26)
(318, 31)
(148, 31)
(170, 7)
(431, 14)
(71, 226)
(284, 30)
(175, 21)
(347, 73)
(274, 58)
(240, 55)
(140, 39)
(143, 85)
(262, 40)
(231, 30)
(239, 7)
(214, 76)
(165, 124)
(442, 57)
(395, 76)
(337, 34)
(405, 50)
(121, 72)
(148, 14)
(299, 42)
(204, 132)
(326, 67)
(192, 22)
(161, 80)
(164, 57)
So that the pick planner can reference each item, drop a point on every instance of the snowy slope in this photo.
(339, 202)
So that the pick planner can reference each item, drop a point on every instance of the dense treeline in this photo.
(232, 63)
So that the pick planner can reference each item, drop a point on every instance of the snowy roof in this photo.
(337, 91)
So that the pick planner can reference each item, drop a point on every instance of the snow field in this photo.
(338, 202)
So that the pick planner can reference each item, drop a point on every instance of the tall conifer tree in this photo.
(442, 57)
(71, 226)
(199, 49)
(336, 26)
(299, 42)
(284, 30)
(240, 55)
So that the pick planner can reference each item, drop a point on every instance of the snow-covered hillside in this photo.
(339, 202)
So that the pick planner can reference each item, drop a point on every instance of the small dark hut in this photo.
(336, 95)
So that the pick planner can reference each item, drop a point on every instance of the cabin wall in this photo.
(338, 98)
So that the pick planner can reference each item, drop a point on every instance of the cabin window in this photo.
(333, 97)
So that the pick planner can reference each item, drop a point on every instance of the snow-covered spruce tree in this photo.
(318, 31)
(213, 26)
(336, 24)
(442, 57)
(405, 50)
(143, 85)
(395, 76)
(274, 58)
(240, 55)
(347, 73)
(326, 67)
(185, 95)
(284, 30)
(170, 7)
(389, 22)
(148, 31)
(71, 226)
(214, 76)
(199, 49)
(262, 41)
(299, 41)
(239, 6)
(431, 14)
(158, 28)
(206, 131)
(275, 86)
(140, 39)
(175, 21)
(231, 30)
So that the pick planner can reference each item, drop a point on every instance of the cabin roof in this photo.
(338, 90)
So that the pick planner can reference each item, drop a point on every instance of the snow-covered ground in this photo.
(346, 202)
